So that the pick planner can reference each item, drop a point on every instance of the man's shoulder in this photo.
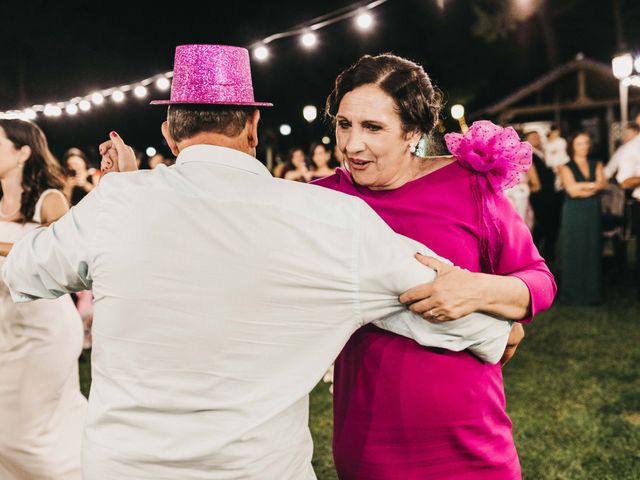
(324, 190)
(123, 179)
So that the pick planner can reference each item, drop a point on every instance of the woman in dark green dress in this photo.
(583, 179)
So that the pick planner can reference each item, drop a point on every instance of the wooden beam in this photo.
(552, 107)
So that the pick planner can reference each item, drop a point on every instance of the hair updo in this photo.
(418, 102)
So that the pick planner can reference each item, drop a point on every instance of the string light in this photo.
(162, 82)
(310, 113)
(457, 111)
(285, 129)
(71, 109)
(326, 140)
(52, 111)
(97, 98)
(150, 151)
(364, 21)
(117, 96)
(140, 91)
(309, 39)
(261, 53)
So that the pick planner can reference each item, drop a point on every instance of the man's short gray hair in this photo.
(186, 121)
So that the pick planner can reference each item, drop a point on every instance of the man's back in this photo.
(215, 314)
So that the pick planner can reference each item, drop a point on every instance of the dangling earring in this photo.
(421, 147)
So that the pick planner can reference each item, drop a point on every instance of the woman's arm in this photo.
(533, 179)
(601, 180)
(521, 287)
(457, 292)
(576, 189)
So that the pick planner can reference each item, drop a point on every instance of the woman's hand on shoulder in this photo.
(54, 206)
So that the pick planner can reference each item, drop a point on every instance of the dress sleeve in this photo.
(519, 258)
(387, 267)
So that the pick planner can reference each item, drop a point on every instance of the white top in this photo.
(627, 159)
(221, 297)
(555, 153)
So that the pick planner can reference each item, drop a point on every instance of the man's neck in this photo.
(218, 140)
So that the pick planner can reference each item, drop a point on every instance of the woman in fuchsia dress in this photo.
(403, 411)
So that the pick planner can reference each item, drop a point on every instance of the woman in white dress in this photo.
(41, 408)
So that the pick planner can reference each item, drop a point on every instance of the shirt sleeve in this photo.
(626, 165)
(387, 268)
(52, 261)
(519, 258)
(612, 165)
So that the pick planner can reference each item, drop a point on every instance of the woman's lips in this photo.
(359, 164)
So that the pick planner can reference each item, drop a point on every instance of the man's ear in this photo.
(252, 128)
(170, 141)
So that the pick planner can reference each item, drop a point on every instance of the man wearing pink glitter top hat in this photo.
(218, 310)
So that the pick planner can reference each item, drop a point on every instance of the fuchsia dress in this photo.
(403, 411)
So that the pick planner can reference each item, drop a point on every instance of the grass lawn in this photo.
(573, 392)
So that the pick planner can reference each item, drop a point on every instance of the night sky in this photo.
(54, 51)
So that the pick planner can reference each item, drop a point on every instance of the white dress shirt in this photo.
(627, 160)
(221, 297)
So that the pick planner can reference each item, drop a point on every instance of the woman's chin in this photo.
(363, 179)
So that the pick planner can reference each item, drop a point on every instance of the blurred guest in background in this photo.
(42, 411)
(630, 148)
(583, 179)
(80, 178)
(545, 201)
(156, 160)
(297, 169)
(321, 158)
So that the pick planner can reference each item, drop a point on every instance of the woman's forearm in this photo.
(505, 296)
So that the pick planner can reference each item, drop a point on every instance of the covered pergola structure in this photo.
(576, 89)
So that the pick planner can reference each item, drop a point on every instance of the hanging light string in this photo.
(162, 81)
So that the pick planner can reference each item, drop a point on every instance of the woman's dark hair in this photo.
(41, 171)
(75, 152)
(292, 151)
(572, 138)
(331, 163)
(417, 101)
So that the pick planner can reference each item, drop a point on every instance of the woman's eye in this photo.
(373, 128)
(343, 124)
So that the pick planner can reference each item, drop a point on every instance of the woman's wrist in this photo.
(503, 295)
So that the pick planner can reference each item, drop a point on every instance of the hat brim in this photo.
(239, 104)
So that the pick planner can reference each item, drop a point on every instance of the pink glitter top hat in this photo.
(211, 75)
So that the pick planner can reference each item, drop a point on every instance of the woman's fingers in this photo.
(417, 293)
(126, 156)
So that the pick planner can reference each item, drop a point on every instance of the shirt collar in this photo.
(227, 157)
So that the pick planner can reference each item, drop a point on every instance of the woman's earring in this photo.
(421, 148)
(412, 148)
